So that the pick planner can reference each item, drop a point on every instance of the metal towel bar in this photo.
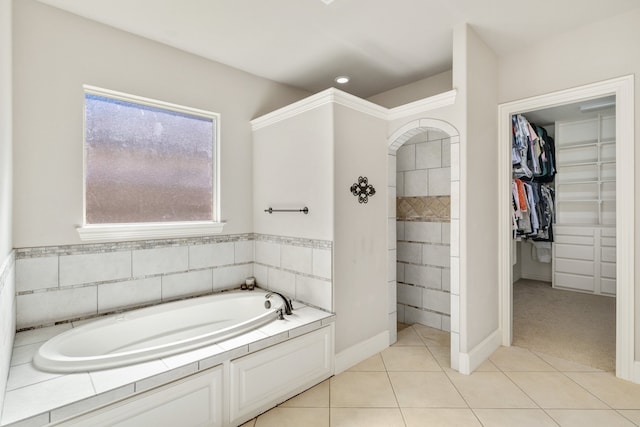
(305, 210)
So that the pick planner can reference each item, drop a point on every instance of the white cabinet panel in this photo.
(571, 281)
(608, 286)
(608, 269)
(195, 401)
(574, 252)
(574, 266)
(608, 254)
(270, 376)
(584, 247)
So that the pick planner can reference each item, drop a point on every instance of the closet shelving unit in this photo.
(584, 247)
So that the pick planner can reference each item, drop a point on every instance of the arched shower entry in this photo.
(407, 250)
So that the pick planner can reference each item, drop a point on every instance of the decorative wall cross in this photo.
(362, 189)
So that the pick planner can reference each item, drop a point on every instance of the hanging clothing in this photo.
(532, 151)
(533, 212)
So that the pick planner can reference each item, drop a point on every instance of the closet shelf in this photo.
(592, 163)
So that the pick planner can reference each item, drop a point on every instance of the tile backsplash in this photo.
(55, 284)
(300, 267)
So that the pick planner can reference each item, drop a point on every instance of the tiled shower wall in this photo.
(7, 319)
(55, 284)
(423, 184)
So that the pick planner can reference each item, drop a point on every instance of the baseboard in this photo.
(534, 276)
(361, 351)
(636, 372)
(476, 357)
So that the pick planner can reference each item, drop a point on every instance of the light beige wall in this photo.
(424, 88)
(592, 53)
(479, 222)
(55, 53)
(7, 277)
(6, 170)
(293, 168)
(360, 231)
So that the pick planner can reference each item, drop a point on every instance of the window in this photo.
(150, 168)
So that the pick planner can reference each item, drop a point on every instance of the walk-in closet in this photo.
(564, 231)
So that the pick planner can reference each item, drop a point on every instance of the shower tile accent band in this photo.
(424, 208)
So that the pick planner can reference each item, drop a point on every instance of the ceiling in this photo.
(380, 44)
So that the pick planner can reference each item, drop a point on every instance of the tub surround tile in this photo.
(42, 308)
(91, 402)
(231, 276)
(212, 255)
(301, 330)
(50, 394)
(212, 361)
(36, 273)
(89, 268)
(193, 356)
(109, 379)
(243, 251)
(242, 340)
(322, 263)
(282, 281)
(157, 261)
(37, 421)
(267, 253)
(314, 291)
(112, 296)
(25, 375)
(39, 335)
(24, 353)
(268, 341)
(182, 284)
(166, 377)
(297, 258)
(261, 273)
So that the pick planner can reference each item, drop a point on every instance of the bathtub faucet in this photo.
(288, 307)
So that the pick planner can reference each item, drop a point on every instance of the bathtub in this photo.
(155, 332)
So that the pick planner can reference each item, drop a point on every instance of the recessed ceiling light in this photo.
(327, 1)
(342, 79)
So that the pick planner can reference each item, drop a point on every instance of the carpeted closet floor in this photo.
(570, 325)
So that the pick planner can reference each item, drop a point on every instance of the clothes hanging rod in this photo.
(305, 210)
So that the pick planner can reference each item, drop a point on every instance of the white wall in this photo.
(360, 229)
(6, 169)
(424, 88)
(7, 281)
(592, 53)
(55, 53)
(479, 224)
(293, 168)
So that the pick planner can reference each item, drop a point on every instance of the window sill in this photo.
(111, 232)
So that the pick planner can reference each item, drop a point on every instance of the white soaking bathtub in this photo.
(155, 332)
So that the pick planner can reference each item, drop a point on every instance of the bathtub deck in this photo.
(36, 398)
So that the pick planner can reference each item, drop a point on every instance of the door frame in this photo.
(623, 89)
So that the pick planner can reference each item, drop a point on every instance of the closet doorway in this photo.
(594, 196)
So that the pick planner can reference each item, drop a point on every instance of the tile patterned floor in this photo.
(411, 384)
